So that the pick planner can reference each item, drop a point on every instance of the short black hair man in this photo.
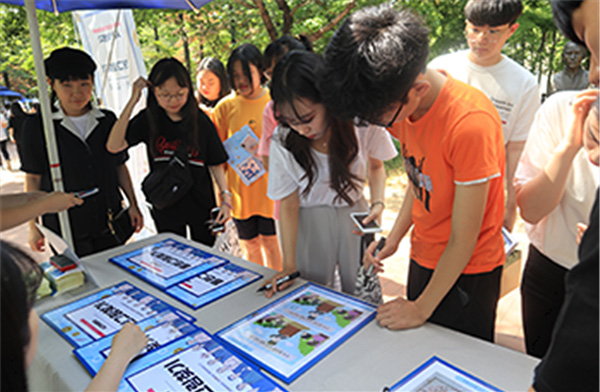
(375, 69)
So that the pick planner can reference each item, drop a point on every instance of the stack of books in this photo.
(58, 281)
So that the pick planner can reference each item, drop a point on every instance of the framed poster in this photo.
(160, 330)
(168, 262)
(104, 312)
(211, 285)
(196, 362)
(439, 375)
(292, 334)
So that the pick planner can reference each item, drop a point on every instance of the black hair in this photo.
(162, 71)
(493, 12)
(20, 278)
(282, 46)
(562, 10)
(296, 77)
(16, 110)
(215, 66)
(246, 54)
(68, 64)
(372, 61)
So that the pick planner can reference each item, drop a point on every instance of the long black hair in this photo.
(162, 71)
(296, 77)
(20, 278)
(215, 66)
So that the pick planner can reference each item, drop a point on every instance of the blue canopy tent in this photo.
(57, 6)
(6, 92)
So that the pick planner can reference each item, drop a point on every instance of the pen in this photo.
(380, 246)
(279, 281)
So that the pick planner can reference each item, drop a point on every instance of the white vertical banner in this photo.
(110, 37)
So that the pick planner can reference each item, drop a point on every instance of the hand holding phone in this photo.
(89, 192)
(212, 222)
(371, 227)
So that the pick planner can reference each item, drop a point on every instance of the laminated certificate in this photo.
(160, 330)
(292, 334)
(439, 375)
(213, 284)
(196, 362)
(241, 148)
(104, 312)
(168, 262)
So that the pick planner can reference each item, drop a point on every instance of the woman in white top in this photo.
(317, 168)
(555, 184)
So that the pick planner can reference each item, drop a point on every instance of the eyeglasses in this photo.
(491, 36)
(389, 124)
(167, 97)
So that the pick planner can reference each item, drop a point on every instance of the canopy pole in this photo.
(40, 72)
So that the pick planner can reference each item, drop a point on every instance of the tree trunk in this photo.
(186, 44)
(264, 15)
(331, 25)
(551, 65)
(6, 80)
(288, 18)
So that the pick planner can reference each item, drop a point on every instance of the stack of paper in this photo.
(63, 281)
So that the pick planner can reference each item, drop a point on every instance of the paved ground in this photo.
(509, 331)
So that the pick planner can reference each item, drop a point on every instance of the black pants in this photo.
(186, 213)
(88, 245)
(4, 151)
(469, 306)
(542, 295)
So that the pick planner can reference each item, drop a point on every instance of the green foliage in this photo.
(223, 24)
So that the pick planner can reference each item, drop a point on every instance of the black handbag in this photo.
(168, 183)
(119, 225)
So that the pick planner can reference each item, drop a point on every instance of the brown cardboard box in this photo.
(511, 273)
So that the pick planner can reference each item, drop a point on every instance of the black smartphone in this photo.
(62, 263)
(371, 227)
(216, 227)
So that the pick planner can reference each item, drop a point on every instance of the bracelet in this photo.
(377, 202)
(227, 205)
(226, 192)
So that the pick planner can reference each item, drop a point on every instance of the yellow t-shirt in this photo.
(230, 115)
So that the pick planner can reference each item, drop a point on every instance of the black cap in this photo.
(66, 62)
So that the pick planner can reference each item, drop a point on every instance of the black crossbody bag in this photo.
(166, 184)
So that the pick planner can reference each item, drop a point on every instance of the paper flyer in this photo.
(241, 148)
(292, 334)
(104, 312)
(196, 362)
(168, 262)
(213, 284)
(439, 375)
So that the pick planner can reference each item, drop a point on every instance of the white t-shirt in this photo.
(80, 123)
(3, 128)
(554, 235)
(513, 89)
(286, 175)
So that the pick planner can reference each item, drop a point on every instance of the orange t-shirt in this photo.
(457, 142)
(230, 115)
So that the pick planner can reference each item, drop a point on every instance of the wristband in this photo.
(226, 192)
(227, 205)
(377, 202)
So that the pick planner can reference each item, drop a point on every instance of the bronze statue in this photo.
(573, 76)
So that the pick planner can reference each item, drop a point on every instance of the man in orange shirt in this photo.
(451, 137)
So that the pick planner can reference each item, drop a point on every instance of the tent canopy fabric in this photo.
(72, 5)
(6, 92)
